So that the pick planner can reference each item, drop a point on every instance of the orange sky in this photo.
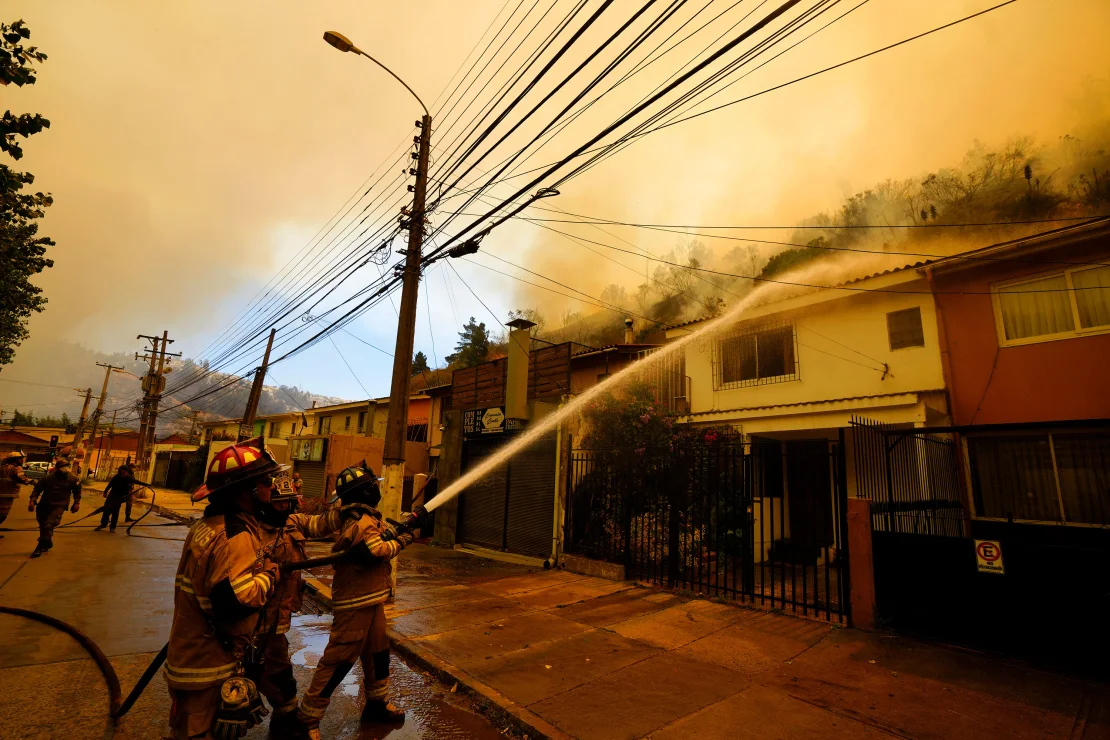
(195, 146)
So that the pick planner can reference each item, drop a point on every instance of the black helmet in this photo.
(357, 484)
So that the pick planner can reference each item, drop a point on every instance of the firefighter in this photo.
(11, 476)
(288, 530)
(228, 573)
(49, 499)
(117, 491)
(361, 586)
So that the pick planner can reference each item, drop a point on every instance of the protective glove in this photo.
(73, 509)
(241, 708)
(31, 504)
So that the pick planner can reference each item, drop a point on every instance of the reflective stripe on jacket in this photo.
(218, 592)
(364, 580)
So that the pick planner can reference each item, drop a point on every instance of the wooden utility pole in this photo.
(246, 428)
(393, 462)
(153, 385)
(100, 404)
(79, 435)
(111, 441)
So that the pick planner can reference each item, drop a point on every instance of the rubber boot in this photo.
(381, 712)
(39, 551)
(99, 529)
(286, 725)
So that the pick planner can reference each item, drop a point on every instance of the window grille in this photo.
(904, 328)
(756, 356)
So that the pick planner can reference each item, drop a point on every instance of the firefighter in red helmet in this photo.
(228, 574)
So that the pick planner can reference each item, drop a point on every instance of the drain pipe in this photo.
(557, 514)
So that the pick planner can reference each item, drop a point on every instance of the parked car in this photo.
(36, 470)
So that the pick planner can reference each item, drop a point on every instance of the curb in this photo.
(170, 514)
(496, 705)
(499, 707)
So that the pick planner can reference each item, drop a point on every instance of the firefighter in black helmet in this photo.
(361, 586)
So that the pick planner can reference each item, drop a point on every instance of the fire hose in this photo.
(117, 705)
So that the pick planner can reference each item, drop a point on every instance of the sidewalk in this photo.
(573, 656)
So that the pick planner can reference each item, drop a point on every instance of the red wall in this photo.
(1047, 381)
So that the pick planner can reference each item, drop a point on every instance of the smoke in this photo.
(195, 146)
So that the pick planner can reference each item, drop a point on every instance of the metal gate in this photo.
(762, 522)
(513, 507)
(1047, 605)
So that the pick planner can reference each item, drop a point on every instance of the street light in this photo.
(393, 457)
(341, 42)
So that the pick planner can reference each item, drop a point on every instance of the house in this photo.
(518, 507)
(39, 443)
(344, 434)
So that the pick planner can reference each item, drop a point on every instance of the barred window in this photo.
(904, 328)
(765, 355)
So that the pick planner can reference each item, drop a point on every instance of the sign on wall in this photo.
(489, 421)
(988, 556)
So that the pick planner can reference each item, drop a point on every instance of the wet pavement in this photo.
(119, 591)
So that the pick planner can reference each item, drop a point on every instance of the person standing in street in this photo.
(227, 579)
(298, 484)
(116, 493)
(11, 476)
(49, 500)
(361, 586)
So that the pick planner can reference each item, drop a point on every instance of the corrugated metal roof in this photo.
(615, 347)
(805, 403)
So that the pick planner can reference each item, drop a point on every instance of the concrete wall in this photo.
(830, 336)
(1058, 380)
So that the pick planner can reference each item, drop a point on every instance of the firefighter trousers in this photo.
(274, 677)
(358, 634)
(5, 507)
(48, 518)
(110, 515)
(193, 713)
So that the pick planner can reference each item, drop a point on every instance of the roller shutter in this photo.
(532, 499)
(482, 505)
(312, 477)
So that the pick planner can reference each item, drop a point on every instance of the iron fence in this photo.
(762, 523)
(912, 479)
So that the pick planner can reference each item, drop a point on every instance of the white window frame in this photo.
(1078, 331)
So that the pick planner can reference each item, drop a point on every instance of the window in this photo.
(361, 422)
(347, 423)
(1067, 304)
(904, 328)
(324, 425)
(757, 357)
(274, 428)
(1058, 477)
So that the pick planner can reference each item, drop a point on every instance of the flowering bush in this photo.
(636, 421)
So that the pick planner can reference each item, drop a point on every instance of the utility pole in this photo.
(100, 404)
(246, 427)
(393, 458)
(79, 435)
(111, 441)
(193, 428)
(153, 385)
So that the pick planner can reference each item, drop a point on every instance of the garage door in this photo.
(312, 477)
(520, 494)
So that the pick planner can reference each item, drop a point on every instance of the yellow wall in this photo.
(829, 335)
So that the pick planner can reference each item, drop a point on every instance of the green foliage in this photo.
(635, 421)
(420, 363)
(22, 251)
(791, 258)
(473, 346)
(20, 419)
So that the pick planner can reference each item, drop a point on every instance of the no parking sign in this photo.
(988, 556)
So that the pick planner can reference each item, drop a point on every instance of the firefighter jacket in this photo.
(224, 579)
(10, 478)
(56, 488)
(290, 548)
(364, 579)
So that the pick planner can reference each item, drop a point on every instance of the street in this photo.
(119, 591)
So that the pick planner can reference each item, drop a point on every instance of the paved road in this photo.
(119, 591)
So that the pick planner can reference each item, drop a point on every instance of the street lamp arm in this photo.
(387, 69)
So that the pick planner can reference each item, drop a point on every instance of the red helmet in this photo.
(239, 463)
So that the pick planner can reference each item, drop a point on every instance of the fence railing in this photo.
(912, 479)
(718, 519)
